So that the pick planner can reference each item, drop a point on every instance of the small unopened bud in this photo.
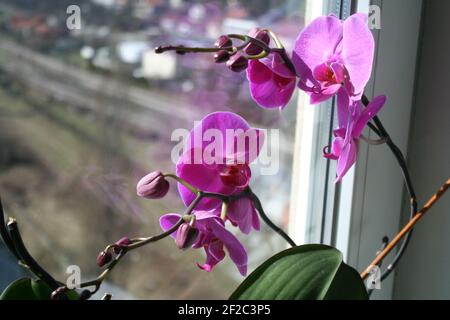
(103, 258)
(122, 243)
(85, 295)
(57, 294)
(261, 35)
(153, 186)
(237, 63)
(186, 236)
(221, 56)
(223, 42)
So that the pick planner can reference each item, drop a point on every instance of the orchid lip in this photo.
(236, 175)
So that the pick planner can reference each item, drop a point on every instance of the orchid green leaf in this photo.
(308, 272)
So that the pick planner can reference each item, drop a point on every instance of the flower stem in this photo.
(141, 242)
(406, 229)
(26, 258)
(4, 233)
(266, 219)
(183, 182)
(383, 134)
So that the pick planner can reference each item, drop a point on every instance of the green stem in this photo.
(266, 219)
(183, 182)
(143, 241)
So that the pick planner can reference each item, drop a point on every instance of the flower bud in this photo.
(85, 295)
(153, 186)
(237, 63)
(186, 236)
(123, 242)
(223, 42)
(261, 35)
(57, 294)
(103, 258)
(221, 56)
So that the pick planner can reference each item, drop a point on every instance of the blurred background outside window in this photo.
(85, 113)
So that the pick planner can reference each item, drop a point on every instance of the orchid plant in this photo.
(331, 58)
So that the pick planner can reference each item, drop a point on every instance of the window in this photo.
(85, 113)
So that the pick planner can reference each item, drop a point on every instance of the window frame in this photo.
(369, 202)
(314, 193)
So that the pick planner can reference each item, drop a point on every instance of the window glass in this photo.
(85, 113)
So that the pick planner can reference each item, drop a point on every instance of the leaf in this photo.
(72, 295)
(29, 289)
(308, 272)
(19, 290)
(41, 290)
(347, 284)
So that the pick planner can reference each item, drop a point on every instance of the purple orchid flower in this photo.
(213, 238)
(218, 153)
(330, 54)
(344, 148)
(272, 83)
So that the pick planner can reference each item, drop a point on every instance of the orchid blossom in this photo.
(344, 148)
(331, 54)
(218, 153)
(272, 83)
(213, 237)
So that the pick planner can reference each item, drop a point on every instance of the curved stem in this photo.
(383, 134)
(275, 38)
(183, 182)
(26, 257)
(373, 142)
(273, 226)
(4, 233)
(139, 243)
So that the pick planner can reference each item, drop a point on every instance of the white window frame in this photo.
(368, 204)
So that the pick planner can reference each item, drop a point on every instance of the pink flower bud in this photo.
(221, 56)
(153, 186)
(122, 243)
(223, 42)
(262, 35)
(237, 63)
(186, 236)
(103, 258)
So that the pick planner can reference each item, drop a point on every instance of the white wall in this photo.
(424, 272)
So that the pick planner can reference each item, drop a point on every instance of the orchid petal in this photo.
(235, 249)
(316, 43)
(267, 88)
(240, 213)
(346, 159)
(167, 221)
(368, 113)
(202, 176)
(343, 103)
(358, 50)
(211, 260)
